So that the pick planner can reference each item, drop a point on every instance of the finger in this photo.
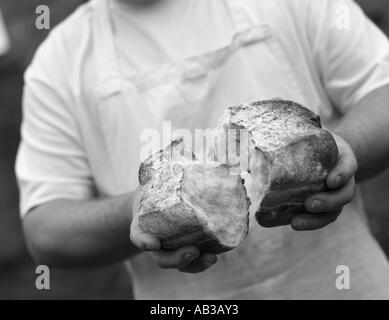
(177, 258)
(331, 200)
(346, 166)
(201, 264)
(307, 222)
(141, 239)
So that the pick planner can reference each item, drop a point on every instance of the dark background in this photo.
(17, 271)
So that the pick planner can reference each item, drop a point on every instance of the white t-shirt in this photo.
(332, 55)
(155, 36)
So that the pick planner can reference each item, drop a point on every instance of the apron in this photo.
(192, 94)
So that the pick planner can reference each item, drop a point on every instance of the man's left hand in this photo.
(325, 207)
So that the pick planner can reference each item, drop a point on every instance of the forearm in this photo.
(366, 129)
(67, 233)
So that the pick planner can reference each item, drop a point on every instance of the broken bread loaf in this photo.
(188, 202)
(290, 156)
(185, 202)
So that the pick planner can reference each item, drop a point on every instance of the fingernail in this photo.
(189, 256)
(316, 205)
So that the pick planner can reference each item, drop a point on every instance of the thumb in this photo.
(141, 239)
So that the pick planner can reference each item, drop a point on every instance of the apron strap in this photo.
(242, 16)
(107, 65)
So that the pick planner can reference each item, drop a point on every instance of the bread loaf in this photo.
(290, 156)
(188, 202)
(185, 202)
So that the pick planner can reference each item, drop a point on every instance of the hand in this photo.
(185, 259)
(326, 206)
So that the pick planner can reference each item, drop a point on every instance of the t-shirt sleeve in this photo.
(51, 162)
(350, 52)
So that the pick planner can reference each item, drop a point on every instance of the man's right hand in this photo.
(185, 259)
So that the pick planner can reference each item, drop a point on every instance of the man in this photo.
(116, 69)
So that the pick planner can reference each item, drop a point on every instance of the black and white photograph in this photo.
(197, 151)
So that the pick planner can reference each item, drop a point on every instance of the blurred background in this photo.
(17, 271)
